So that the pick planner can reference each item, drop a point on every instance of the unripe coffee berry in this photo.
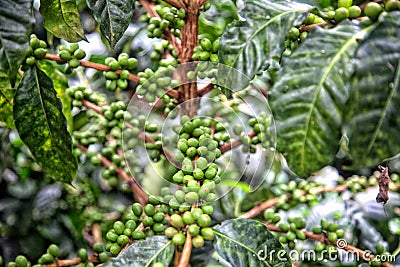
(179, 239)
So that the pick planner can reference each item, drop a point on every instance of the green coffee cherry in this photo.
(284, 227)
(122, 240)
(332, 237)
(206, 44)
(372, 10)
(21, 261)
(392, 5)
(317, 230)
(119, 227)
(148, 221)
(138, 235)
(341, 13)
(103, 257)
(345, 3)
(40, 53)
(115, 249)
(112, 236)
(79, 54)
(176, 221)
(82, 253)
(53, 250)
(207, 233)
(74, 63)
(179, 239)
(207, 209)
(170, 232)
(204, 220)
(149, 210)
(191, 197)
(98, 247)
(198, 241)
(193, 230)
(319, 247)
(188, 218)
(354, 12)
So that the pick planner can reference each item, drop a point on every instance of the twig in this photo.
(70, 262)
(92, 65)
(149, 7)
(323, 239)
(139, 194)
(257, 210)
(203, 91)
(254, 212)
(307, 28)
(235, 143)
(187, 249)
(175, 3)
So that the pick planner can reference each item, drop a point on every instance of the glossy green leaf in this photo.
(244, 242)
(249, 44)
(60, 82)
(42, 126)
(16, 24)
(61, 18)
(145, 253)
(309, 97)
(114, 17)
(373, 122)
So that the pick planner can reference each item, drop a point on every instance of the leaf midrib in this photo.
(320, 85)
(386, 107)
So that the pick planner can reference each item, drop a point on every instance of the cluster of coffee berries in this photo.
(38, 50)
(207, 50)
(118, 75)
(79, 93)
(72, 55)
(293, 229)
(140, 222)
(154, 85)
(196, 222)
(20, 261)
(330, 230)
(293, 38)
(372, 10)
(343, 10)
(356, 183)
(159, 51)
(383, 256)
(299, 193)
(169, 18)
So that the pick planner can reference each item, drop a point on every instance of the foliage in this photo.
(214, 135)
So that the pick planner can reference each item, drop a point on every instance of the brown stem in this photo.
(206, 89)
(70, 262)
(235, 143)
(149, 7)
(307, 28)
(254, 212)
(323, 239)
(187, 250)
(175, 3)
(92, 65)
(257, 210)
(139, 194)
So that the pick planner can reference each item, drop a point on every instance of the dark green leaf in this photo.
(16, 24)
(244, 242)
(42, 125)
(114, 17)
(60, 82)
(61, 18)
(310, 95)
(145, 253)
(373, 123)
(250, 44)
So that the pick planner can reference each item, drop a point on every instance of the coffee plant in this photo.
(199, 133)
